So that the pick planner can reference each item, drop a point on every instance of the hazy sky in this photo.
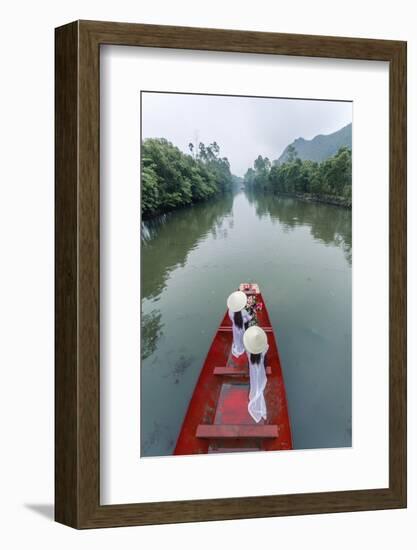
(243, 127)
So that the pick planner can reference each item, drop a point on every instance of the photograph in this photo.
(246, 274)
(208, 273)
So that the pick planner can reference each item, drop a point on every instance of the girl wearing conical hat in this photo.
(236, 303)
(256, 345)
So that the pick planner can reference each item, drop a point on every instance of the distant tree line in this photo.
(172, 179)
(329, 181)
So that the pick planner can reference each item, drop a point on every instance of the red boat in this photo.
(217, 419)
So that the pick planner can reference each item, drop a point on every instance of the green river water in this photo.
(301, 256)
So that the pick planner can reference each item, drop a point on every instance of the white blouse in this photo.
(257, 376)
(238, 347)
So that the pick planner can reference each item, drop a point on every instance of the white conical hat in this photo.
(236, 301)
(255, 340)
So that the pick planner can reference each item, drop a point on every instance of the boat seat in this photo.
(228, 328)
(234, 449)
(224, 431)
(235, 371)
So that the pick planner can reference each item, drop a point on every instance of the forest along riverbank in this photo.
(328, 182)
(300, 253)
(172, 179)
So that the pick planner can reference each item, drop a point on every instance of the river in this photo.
(301, 255)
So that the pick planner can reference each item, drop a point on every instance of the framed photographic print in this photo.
(230, 274)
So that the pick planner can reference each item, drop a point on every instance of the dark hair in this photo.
(255, 358)
(238, 319)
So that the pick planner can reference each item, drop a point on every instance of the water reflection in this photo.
(331, 225)
(151, 332)
(179, 368)
(167, 240)
(166, 243)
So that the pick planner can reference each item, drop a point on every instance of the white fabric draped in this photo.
(238, 347)
(257, 375)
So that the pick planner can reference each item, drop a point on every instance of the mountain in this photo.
(320, 147)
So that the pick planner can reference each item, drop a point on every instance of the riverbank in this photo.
(161, 214)
(323, 199)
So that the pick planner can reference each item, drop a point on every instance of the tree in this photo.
(172, 179)
(332, 177)
(291, 153)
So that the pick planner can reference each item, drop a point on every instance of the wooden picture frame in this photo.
(77, 358)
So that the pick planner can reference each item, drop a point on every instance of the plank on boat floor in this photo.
(235, 371)
(214, 449)
(228, 328)
(220, 431)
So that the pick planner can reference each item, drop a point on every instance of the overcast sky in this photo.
(243, 127)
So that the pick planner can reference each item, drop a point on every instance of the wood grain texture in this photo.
(77, 371)
(66, 236)
(398, 274)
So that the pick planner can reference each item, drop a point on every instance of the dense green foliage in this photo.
(320, 147)
(171, 179)
(331, 179)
